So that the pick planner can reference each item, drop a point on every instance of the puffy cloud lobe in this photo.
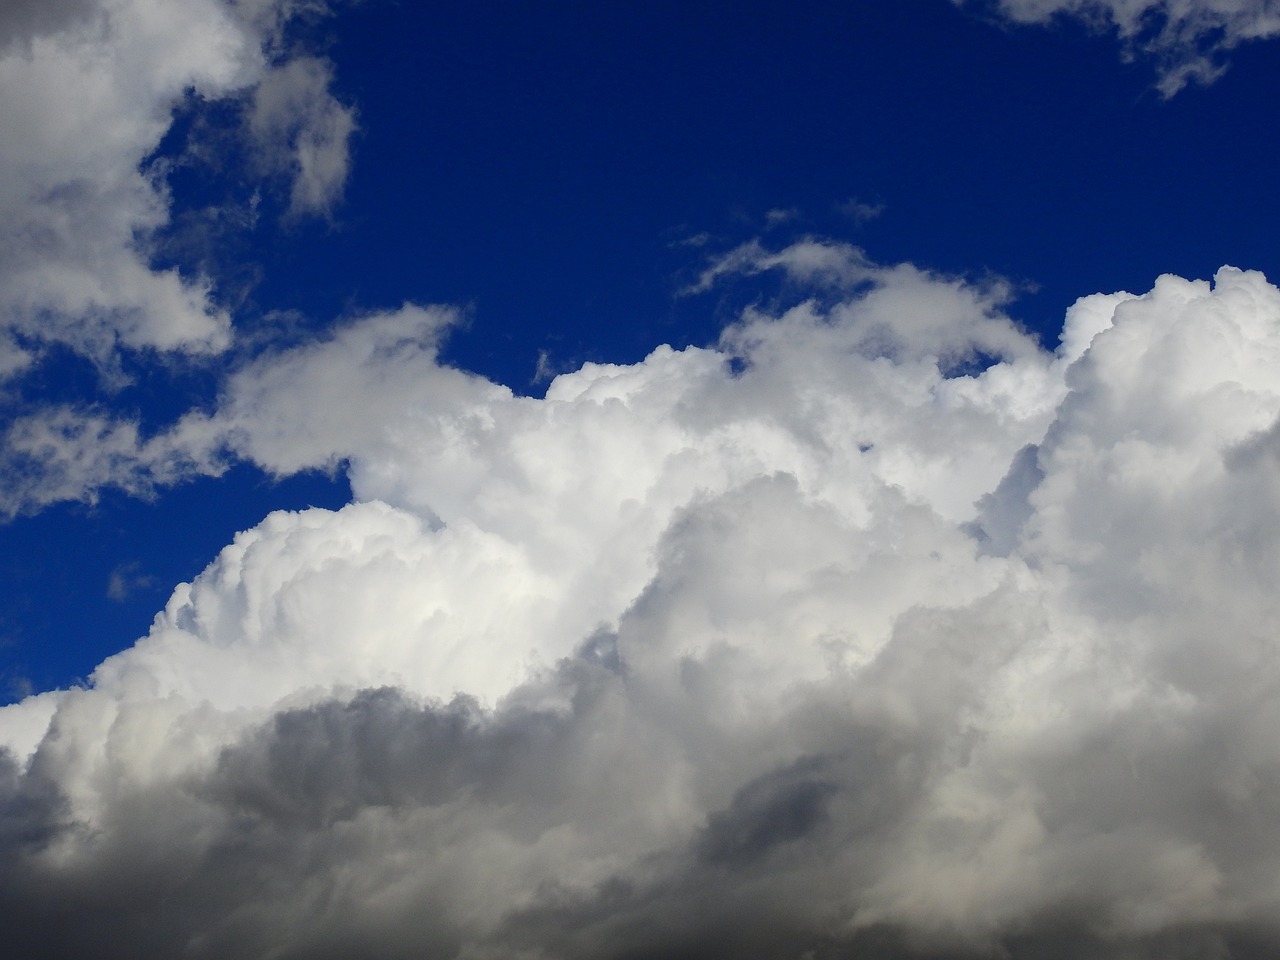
(89, 91)
(1187, 38)
(821, 641)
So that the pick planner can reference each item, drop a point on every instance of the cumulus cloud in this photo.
(1188, 39)
(873, 629)
(90, 87)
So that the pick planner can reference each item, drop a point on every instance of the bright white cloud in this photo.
(1187, 38)
(873, 626)
(89, 89)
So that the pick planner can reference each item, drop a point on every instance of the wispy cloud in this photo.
(1188, 40)
(126, 579)
(301, 131)
(860, 211)
(780, 215)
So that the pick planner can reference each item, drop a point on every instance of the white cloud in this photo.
(1188, 39)
(89, 91)
(811, 641)
(64, 453)
(809, 261)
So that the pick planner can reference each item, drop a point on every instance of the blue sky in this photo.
(413, 264)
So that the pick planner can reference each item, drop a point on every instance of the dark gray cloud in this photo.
(777, 809)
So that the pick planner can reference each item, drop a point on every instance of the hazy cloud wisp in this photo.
(1188, 39)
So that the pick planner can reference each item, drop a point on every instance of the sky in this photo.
(563, 480)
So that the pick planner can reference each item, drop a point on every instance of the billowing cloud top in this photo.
(875, 627)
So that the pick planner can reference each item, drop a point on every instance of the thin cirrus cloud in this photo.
(757, 647)
(90, 88)
(1187, 39)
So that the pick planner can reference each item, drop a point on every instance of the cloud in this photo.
(874, 628)
(860, 211)
(126, 579)
(60, 453)
(1187, 39)
(22, 21)
(373, 395)
(300, 130)
(90, 89)
(837, 265)
(780, 215)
